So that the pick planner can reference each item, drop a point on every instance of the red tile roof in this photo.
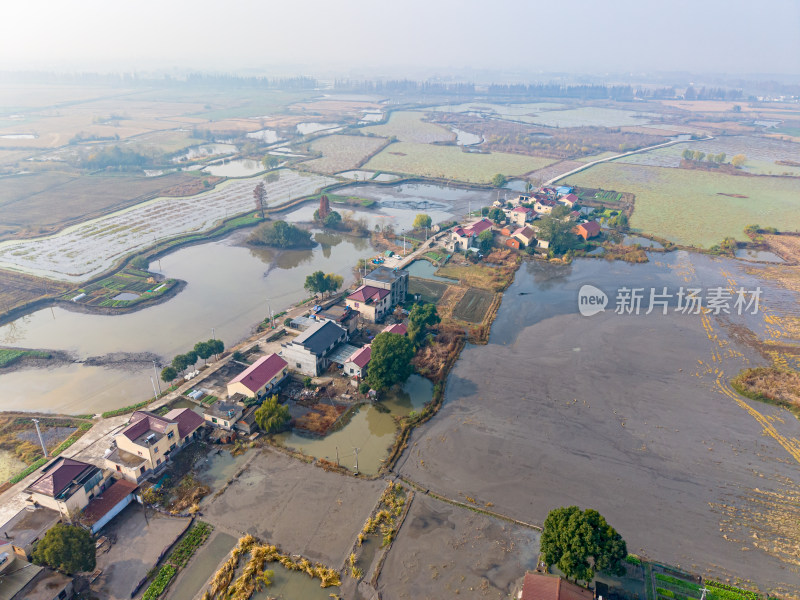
(188, 421)
(100, 506)
(479, 227)
(143, 421)
(361, 356)
(526, 232)
(367, 292)
(59, 475)
(547, 202)
(570, 198)
(590, 228)
(398, 328)
(260, 372)
(461, 231)
(522, 209)
(537, 586)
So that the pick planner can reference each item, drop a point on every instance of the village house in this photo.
(344, 316)
(356, 365)
(27, 527)
(223, 414)
(66, 485)
(394, 280)
(545, 206)
(145, 445)
(108, 504)
(588, 230)
(541, 586)
(21, 580)
(521, 215)
(564, 190)
(372, 303)
(309, 353)
(462, 238)
(569, 200)
(260, 378)
(513, 242)
(525, 235)
(398, 328)
(521, 199)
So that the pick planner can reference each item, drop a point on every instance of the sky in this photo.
(348, 37)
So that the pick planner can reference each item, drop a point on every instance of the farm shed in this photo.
(108, 504)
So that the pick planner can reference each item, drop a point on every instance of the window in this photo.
(172, 447)
(298, 365)
(170, 435)
(119, 468)
(155, 449)
(141, 471)
(214, 419)
(158, 462)
(139, 452)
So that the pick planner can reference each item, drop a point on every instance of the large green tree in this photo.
(272, 416)
(203, 350)
(422, 220)
(390, 361)
(67, 548)
(580, 543)
(168, 373)
(281, 235)
(499, 180)
(420, 319)
(558, 231)
(260, 195)
(485, 241)
(319, 282)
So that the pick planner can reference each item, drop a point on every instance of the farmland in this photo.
(686, 206)
(41, 203)
(450, 162)
(89, 248)
(342, 152)
(408, 126)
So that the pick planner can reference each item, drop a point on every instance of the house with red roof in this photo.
(108, 504)
(543, 586)
(398, 328)
(525, 235)
(372, 302)
(260, 378)
(462, 238)
(587, 230)
(356, 365)
(569, 200)
(545, 206)
(66, 485)
(521, 215)
(144, 446)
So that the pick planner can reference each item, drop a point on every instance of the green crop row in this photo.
(723, 591)
(155, 589)
(190, 542)
(125, 409)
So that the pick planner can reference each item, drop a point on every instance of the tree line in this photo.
(181, 362)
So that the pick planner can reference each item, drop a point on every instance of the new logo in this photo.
(591, 300)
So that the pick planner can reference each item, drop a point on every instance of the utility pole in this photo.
(356, 452)
(155, 374)
(154, 387)
(337, 456)
(272, 317)
(41, 441)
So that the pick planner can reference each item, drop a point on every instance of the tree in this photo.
(272, 416)
(390, 361)
(191, 358)
(485, 241)
(270, 162)
(420, 319)
(687, 154)
(581, 543)
(260, 195)
(720, 158)
(281, 235)
(497, 215)
(203, 350)
(333, 282)
(168, 373)
(180, 362)
(558, 232)
(140, 262)
(333, 220)
(421, 221)
(67, 548)
(217, 346)
(499, 180)
(698, 156)
(315, 283)
(738, 160)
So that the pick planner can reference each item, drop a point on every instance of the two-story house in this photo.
(394, 280)
(309, 352)
(66, 485)
(372, 303)
(145, 445)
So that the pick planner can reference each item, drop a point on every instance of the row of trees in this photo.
(320, 283)
(737, 161)
(181, 362)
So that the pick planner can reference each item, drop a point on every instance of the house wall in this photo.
(154, 455)
(398, 288)
(75, 503)
(240, 388)
(352, 369)
(513, 243)
(517, 218)
(219, 422)
(128, 473)
(300, 359)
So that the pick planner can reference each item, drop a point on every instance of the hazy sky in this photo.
(587, 36)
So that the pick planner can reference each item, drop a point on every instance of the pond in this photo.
(293, 585)
(758, 255)
(370, 430)
(269, 136)
(632, 240)
(426, 270)
(218, 467)
(205, 150)
(244, 167)
(126, 296)
(307, 128)
(211, 270)
(465, 138)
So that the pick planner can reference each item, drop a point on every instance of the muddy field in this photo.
(630, 415)
(443, 551)
(298, 506)
(473, 305)
(429, 291)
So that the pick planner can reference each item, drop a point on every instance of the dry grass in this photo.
(17, 289)
(408, 126)
(785, 246)
(320, 418)
(494, 279)
(769, 384)
(432, 360)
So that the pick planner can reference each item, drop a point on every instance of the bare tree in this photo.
(260, 194)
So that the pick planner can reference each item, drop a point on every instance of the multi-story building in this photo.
(394, 280)
(66, 485)
(309, 352)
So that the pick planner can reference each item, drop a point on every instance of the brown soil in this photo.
(17, 289)
(787, 163)
(192, 187)
(728, 169)
(787, 246)
(732, 195)
(398, 153)
(432, 360)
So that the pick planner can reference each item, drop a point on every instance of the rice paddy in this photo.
(449, 162)
(408, 126)
(342, 152)
(698, 208)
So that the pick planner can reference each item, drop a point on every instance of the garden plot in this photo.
(473, 306)
(86, 250)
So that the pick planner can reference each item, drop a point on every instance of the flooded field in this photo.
(369, 430)
(427, 270)
(628, 414)
(211, 271)
(236, 168)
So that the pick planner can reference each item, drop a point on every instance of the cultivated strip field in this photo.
(451, 163)
(85, 250)
(698, 207)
